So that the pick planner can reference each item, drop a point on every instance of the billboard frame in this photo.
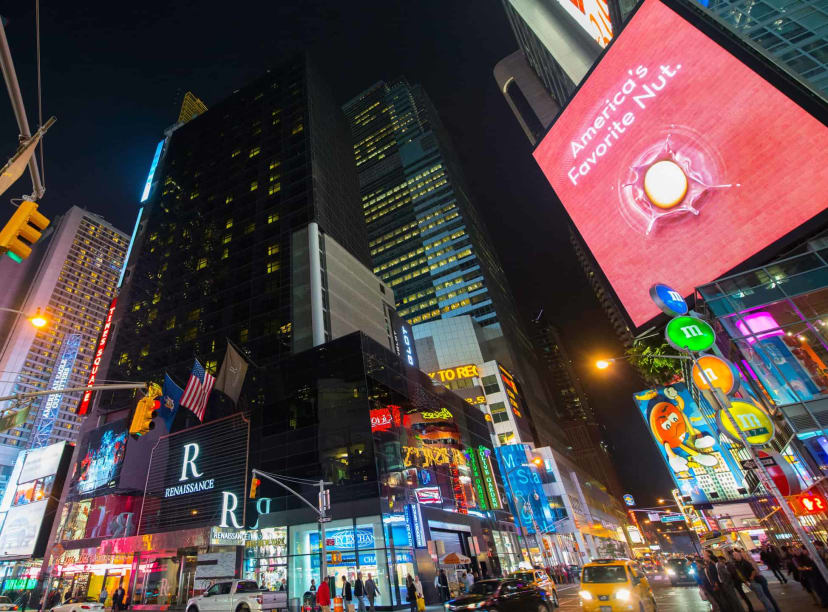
(766, 68)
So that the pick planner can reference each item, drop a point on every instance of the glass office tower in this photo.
(426, 239)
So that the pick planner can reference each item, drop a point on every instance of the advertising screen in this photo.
(21, 529)
(41, 462)
(524, 489)
(701, 462)
(677, 162)
(101, 458)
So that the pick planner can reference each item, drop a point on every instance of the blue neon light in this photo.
(153, 166)
(129, 248)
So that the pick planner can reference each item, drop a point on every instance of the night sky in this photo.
(113, 75)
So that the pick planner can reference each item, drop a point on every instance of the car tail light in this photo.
(259, 599)
(14, 607)
(85, 608)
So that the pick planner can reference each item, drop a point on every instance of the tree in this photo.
(646, 356)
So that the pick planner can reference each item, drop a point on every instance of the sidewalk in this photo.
(789, 596)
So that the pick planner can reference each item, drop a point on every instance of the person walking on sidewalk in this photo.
(726, 589)
(359, 592)
(323, 596)
(411, 593)
(758, 583)
(740, 580)
(347, 595)
(770, 557)
(371, 592)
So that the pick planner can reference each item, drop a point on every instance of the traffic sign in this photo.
(719, 372)
(756, 424)
(690, 334)
(672, 518)
(668, 300)
(750, 464)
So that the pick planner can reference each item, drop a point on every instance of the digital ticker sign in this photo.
(672, 148)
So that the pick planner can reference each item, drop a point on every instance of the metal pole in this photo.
(10, 75)
(323, 564)
(765, 478)
(113, 387)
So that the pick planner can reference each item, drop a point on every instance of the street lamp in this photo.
(603, 364)
(38, 320)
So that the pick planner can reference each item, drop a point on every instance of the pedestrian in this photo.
(283, 585)
(758, 583)
(706, 590)
(821, 550)
(411, 593)
(725, 594)
(371, 591)
(740, 581)
(347, 595)
(359, 592)
(443, 583)
(323, 596)
(313, 586)
(770, 557)
(103, 596)
(810, 578)
(468, 581)
(118, 598)
(418, 588)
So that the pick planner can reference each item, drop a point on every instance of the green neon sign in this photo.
(480, 490)
(488, 477)
(689, 334)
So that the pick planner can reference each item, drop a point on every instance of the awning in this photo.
(455, 559)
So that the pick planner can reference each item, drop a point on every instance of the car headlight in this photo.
(671, 572)
(692, 571)
(585, 595)
(622, 594)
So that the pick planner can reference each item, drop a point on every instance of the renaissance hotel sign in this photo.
(195, 476)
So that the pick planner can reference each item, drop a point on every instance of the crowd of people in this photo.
(726, 576)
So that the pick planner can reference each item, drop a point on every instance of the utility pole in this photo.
(10, 76)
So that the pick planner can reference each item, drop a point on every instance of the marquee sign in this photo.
(455, 373)
(414, 456)
(96, 362)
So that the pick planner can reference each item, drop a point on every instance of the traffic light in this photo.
(254, 487)
(19, 231)
(145, 412)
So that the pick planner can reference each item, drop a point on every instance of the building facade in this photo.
(426, 239)
(72, 279)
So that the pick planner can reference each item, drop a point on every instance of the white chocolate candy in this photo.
(665, 184)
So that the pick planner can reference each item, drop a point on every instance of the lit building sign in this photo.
(102, 456)
(414, 456)
(456, 373)
(414, 525)
(382, 419)
(402, 337)
(46, 419)
(485, 456)
(438, 415)
(808, 503)
(96, 362)
(527, 500)
(663, 148)
(478, 400)
(477, 479)
(428, 495)
(151, 175)
(511, 389)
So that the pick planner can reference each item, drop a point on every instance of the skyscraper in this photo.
(252, 202)
(71, 277)
(425, 235)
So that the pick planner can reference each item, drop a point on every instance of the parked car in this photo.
(229, 596)
(540, 579)
(79, 604)
(615, 584)
(502, 595)
(680, 571)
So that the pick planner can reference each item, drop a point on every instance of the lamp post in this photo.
(36, 319)
(720, 402)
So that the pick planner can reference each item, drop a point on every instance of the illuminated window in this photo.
(254, 186)
(202, 263)
(228, 199)
(275, 164)
(225, 253)
(243, 335)
(255, 151)
(272, 218)
(190, 334)
(171, 323)
(227, 238)
(276, 188)
(273, 266)
(229, 224)
(299, 127)
(236, 153)
(273, 249)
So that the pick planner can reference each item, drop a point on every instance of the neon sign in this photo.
(424, 457)
(443, 415)
(96, 362)
(428, 495)
(457, 373)
(485, 456)
(188, 465)
(477, 479)
(151, 175)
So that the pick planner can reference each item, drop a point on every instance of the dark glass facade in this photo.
(233, 186)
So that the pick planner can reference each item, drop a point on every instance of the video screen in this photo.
(677, 162)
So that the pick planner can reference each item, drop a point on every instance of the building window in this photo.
(255, 151)
(254, 186)
(202, 263)
(272, 266)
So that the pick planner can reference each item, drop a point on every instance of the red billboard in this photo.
(677, 162)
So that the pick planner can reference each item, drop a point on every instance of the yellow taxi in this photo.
(540, 579)
(608, 585)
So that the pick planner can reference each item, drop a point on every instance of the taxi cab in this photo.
(608, 585)
(539, 578)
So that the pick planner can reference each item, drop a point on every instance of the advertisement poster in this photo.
(102, 456)
(698, 459)
(680, 150)
(524, 489)
(21, 528)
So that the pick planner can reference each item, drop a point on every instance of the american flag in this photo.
(198, 390)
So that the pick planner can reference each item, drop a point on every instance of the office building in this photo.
(794, 34)
(71, 277)
(426, 239)
(251, 204)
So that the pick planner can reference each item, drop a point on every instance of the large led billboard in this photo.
(677, 162)
(102, 455)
